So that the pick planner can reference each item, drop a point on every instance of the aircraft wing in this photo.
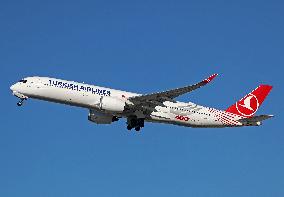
(169, 95)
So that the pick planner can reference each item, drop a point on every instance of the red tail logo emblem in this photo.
(248, 105)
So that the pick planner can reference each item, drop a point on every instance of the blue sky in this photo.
(141, 46)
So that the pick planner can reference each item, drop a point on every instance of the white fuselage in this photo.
(90, 97)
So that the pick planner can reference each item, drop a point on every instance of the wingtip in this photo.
(214, 75)
(210, 78)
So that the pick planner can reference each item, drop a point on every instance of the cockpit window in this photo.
(23, 80)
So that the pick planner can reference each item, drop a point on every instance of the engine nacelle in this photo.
(101, 118)
(112, 104)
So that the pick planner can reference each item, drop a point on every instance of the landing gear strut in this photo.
(20, 103)
(136, 123)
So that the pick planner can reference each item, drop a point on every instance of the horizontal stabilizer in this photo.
(255, 120)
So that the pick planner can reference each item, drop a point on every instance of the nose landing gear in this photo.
(21, 97)
(20, 103)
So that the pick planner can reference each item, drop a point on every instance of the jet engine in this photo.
(101, 118)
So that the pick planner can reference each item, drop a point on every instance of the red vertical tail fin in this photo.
(249, 104)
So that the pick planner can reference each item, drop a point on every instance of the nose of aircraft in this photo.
(12, 87)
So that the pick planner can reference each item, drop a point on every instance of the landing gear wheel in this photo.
(129, 127)
(21, 101)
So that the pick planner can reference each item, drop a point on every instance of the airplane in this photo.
(107, 105)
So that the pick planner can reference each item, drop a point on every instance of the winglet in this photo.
(210, 78)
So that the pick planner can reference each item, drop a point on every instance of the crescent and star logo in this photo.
(248, 105)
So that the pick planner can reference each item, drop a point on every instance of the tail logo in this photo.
(248, 105)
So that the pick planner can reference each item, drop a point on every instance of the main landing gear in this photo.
(136, 123)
